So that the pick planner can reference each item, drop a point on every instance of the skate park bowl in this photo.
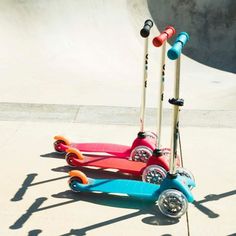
(211, 25)
(87, 52)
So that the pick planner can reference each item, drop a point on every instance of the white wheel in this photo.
(184, 172)
(141, 153)
(154, 174)
(151, 134)
(165, 152)
(172, 203)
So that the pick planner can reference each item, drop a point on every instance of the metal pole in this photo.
(144, 83)
(161, 95)
(175, 125)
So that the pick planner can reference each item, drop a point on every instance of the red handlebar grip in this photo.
(166, 34)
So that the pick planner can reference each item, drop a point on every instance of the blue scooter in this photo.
(174, 192)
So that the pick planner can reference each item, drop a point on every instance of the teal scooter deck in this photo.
(131, 188)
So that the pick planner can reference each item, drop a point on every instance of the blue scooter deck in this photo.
(131, 188)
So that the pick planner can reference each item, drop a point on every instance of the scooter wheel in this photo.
(73, 183)
(151, 135)
(172, 203)
(154, 174)
(187, 173)
(57, 146)
(165, 152)
(141, 153)
(70, 159)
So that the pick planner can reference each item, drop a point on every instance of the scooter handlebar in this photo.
(145, 31)
(178, 45)
(166, 34)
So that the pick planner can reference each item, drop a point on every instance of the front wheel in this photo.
(186, 173)
(151, 135)
(141, 153)
(172, 203)
(154, 174)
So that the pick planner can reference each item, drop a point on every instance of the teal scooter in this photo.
(174, 192)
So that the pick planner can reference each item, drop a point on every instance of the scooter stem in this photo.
(145, 31)
(174, 54)
(145, 76)
(159, 41)
(161, 95)
(175, 124)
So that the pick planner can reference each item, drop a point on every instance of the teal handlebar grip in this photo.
(178, 45)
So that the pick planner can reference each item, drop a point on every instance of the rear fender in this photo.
(75, 151)
(58, 137)
(80, 175)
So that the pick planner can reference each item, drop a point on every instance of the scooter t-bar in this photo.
(175, 54)
(144, 32)
(158, 42)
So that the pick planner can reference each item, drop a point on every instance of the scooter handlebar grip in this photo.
(145, 31)
(178, 45)
(166, 34)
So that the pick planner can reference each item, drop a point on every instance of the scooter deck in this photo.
(114, 149)
(110, 162)
(131, 188)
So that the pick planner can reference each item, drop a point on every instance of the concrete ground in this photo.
(36, 199)
(62, 73)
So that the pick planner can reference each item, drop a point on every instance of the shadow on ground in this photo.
(143, 207)
(211, 197)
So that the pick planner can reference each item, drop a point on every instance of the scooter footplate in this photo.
(115, 149)
(130, 188)
(110, 162)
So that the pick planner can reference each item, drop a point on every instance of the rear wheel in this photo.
(70, 159)
(73, 181)
(172, 203)
(154, 174)
(57, 145)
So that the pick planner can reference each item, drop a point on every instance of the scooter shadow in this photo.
(97, 172)
(93, 172)
(113, 200)
(212, 197)
(56, 155)
(126, 202)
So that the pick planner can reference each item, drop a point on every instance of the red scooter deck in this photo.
(75, 158)
(144, 143)
(113, 149)
(110, 162)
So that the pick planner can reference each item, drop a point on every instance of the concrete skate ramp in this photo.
(71, 51)
(91, 53)
(210, 23)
